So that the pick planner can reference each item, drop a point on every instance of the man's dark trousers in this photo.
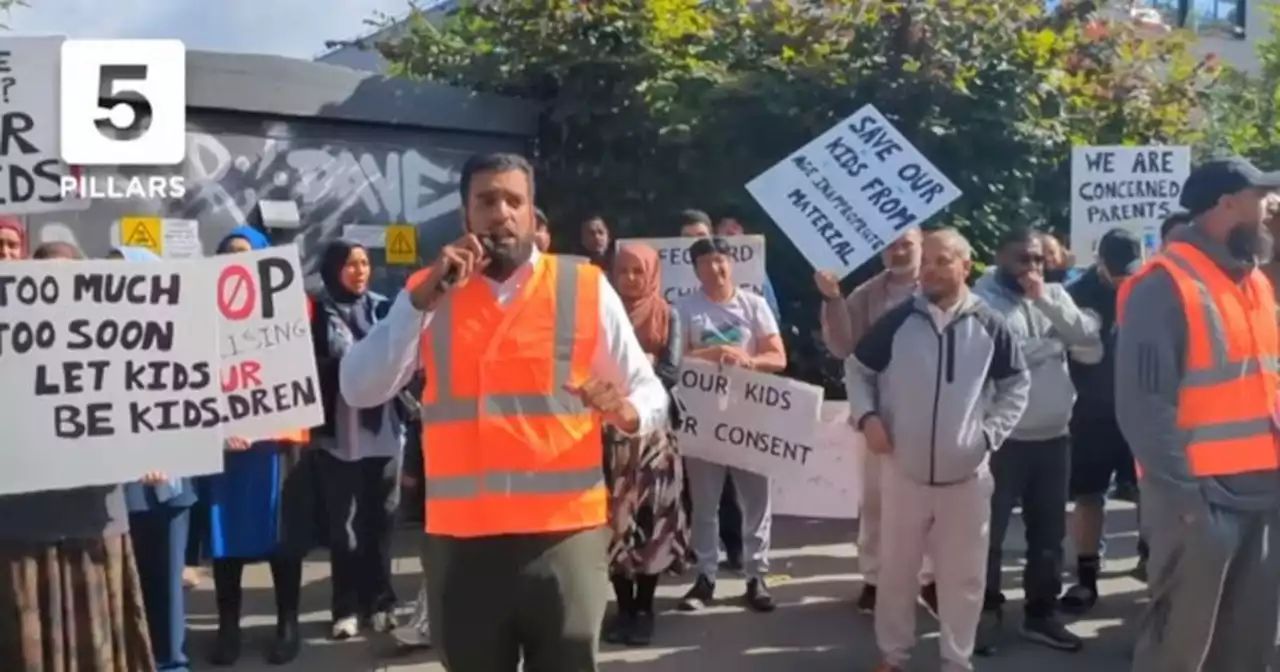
(1034, 474)
(540, 597)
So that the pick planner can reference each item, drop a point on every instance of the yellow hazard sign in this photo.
(402, 245)
(142, 232)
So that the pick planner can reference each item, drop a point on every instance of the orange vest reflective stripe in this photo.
(505, 449)
(1228, 393)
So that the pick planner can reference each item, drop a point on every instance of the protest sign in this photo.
(30, 168)
(678, 277)
(746, 419)
(831, 486)
(268, 367)
(851, 191)
(1133, 188)
(110, 371)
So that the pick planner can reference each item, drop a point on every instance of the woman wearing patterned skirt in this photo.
(645, 473)
(70, 600)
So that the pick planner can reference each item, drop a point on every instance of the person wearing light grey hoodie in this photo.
(935, 386)
(1034, 466)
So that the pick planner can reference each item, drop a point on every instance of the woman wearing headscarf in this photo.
(13, 239)
(361, 450)
(650, 530)
(259, 509)
(70, 598)
(159, 521)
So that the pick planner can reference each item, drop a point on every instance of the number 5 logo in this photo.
(123, 102)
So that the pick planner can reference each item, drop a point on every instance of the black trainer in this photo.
(700, 595)
(1050, 632)
(757, 596)
(642, 627)
(990, 631)
(1078, 599)
(867, 599)
(929, 598)
(618, 629)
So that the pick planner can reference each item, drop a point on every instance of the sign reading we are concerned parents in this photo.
(678, 276)
(851, 191)
(268, 363)
(746, 419)
(1133, 188)
(110, 371)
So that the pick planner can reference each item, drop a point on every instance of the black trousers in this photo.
(357, 498)
(540, 597)
(730, 521)
(1035, 475)
(286, 577)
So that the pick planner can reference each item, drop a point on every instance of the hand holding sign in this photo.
(876, 435)
(734, 356)
(828, 284)
(235, 444)
(606, 399)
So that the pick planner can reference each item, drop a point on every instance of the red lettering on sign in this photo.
(237, 293)
(241, 376)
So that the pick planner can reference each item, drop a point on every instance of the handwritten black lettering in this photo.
(764, 442)
(23, 337)
(161, 376)
(174, 414)
(70, 377)
(277, 398)
(826, 228)
(1153, 161)
(767, 395)
(29, 290)
(127, 335)
(1100, 162)
(73, 422)
(135, 288)
(715, 383)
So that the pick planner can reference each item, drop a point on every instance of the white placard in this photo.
(851, 191)
(1133, 188)
(30, 168)
(268, 363)
(754, 421)
(832, 484)
(181, 239)
(371, 236)
(110, 371)
(678, 276)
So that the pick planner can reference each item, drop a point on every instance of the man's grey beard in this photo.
(1250, 244)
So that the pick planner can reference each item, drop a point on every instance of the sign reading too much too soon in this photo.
(851, 191)
(746, 419)
(110, 371)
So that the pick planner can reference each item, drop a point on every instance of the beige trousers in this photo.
(869, 523)
(952, 524)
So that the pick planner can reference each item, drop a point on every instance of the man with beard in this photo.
(523, 355)
(1196, 399)
(844, 322)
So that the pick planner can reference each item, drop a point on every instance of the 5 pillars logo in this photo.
(123, 103)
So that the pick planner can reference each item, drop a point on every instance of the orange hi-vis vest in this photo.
(506, 449)
(1228, 393)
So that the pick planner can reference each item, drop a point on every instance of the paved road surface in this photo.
(815, 628)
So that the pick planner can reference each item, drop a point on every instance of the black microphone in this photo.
(450, 277)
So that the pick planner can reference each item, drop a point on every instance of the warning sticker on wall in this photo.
(402, 245)
(142, 232)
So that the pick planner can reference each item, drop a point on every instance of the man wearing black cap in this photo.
(1196, 380)
(1098, 449)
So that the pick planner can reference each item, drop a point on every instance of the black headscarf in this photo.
(345, 310)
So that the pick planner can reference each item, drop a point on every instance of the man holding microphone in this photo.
(524, 355)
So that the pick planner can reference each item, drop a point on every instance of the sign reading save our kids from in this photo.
(110, 371)
(678, 277)
(268, 363)
(746, 419)
(851, 191)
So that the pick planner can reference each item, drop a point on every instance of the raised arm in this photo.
(1078, 330)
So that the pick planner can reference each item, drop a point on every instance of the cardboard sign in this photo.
(268, 370)
(831, 486)
(678, 276)
(30, 167)
(851, 191)
(111, 370)
(1134, 188)
(745, 419)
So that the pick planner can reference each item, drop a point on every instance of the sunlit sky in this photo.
(296, 28)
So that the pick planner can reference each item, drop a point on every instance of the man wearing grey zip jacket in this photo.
(935, 386)
(1034, 466)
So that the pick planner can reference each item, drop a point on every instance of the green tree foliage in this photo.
(1243, 112)
(657, 105)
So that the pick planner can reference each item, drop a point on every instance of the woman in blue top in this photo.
(254, 517)
(159, 519)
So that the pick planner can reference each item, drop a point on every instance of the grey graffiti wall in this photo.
(337, 173)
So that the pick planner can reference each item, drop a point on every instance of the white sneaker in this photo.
(417, 633)
(383, 621)
(346, 628)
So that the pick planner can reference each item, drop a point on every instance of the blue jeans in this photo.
(160, 546)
